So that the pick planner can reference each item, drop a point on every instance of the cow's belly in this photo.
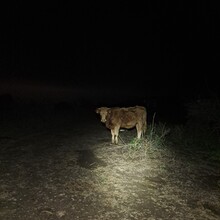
(128, 125)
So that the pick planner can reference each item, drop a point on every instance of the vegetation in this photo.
(155, 139)
(200, 133)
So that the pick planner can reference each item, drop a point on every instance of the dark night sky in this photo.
(156, 48)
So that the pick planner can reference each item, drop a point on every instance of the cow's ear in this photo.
(109, 110)
(97, 110)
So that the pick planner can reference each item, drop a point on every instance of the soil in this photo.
(65, 167)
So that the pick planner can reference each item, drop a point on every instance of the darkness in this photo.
(143, 51)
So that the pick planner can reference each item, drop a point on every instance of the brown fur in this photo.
(116, 118)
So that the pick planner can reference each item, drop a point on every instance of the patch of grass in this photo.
(157, 134)
(154, 139)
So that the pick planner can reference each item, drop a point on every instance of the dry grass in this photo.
(43, 176)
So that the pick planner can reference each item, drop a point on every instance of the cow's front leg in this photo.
(113, 136)
(116, 132)
(116, 139)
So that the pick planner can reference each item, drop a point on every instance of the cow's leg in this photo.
(113, 136)
(139, 130)
(116, 133)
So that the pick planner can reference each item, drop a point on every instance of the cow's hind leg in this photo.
(139, 130)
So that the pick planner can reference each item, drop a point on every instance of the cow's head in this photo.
(103, 111)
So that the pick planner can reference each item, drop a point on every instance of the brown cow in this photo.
(116, 118)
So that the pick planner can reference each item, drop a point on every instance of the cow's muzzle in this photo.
(103, 120)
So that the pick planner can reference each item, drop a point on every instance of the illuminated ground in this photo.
(67, 169)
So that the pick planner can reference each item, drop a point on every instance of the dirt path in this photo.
(73, 172)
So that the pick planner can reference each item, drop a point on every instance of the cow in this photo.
(124, 117)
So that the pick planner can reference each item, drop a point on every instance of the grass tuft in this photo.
(154, 139)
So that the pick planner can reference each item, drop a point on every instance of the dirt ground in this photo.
(68, 169)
